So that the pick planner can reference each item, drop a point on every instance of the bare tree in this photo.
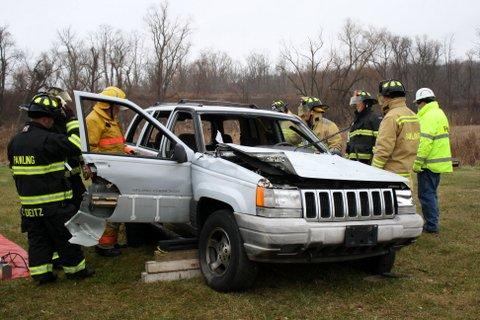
(383, 54)
(91, 68)
(401, 47)
(425, 56)
(71, 59)
(102, 41)
(32, 77)
(8, 58)
(171, 45)
(134, 71)
(359, 47)
(448, 63)
(302, 68)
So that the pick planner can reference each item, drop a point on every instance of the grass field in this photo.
(442, 279)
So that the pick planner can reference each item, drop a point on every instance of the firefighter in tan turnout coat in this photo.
(312, 111)
(399, 133)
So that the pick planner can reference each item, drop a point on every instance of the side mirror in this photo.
(180, 155)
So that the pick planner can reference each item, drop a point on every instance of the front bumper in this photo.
(297, 240)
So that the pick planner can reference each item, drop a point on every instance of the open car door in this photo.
(127, 187)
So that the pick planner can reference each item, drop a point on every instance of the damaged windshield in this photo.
(258, 131)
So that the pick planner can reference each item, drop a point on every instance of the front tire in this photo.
(223, 261)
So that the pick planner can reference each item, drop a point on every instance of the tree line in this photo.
(154, 65)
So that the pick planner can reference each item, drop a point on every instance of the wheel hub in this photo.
(218, 251)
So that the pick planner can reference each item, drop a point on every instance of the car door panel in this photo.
(127, 188)
(150, 189)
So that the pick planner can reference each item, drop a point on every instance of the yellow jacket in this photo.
(104, 133)
(324, 128)
(290, 136)
(398, 139)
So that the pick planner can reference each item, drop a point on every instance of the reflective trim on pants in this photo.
(74, 269)
(363, 156)
(41, 269)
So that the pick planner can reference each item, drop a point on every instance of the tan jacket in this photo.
(324, 128)
(398, 139)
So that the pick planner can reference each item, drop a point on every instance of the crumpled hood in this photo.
(326, 166)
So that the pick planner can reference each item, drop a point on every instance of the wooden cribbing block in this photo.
(173, 265)
(170, 276)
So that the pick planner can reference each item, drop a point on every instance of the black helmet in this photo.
(279, 106)
(363, 96)
(44, 105)
(391, 88)
(311, 102)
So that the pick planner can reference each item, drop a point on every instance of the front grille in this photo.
(341, 205)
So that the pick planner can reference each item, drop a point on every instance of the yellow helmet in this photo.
(111, 92)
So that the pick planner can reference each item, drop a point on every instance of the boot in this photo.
(45, 278)
(82, 274)
(108, 252)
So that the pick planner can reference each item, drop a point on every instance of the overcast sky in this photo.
(242, 26)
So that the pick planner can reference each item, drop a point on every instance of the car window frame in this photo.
(146, 131)
(278, 116)
(196, 126)
(81, 96)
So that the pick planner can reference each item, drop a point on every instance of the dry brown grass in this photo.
(6, 133)
(465, 143)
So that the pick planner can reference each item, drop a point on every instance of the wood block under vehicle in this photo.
(170, 276)
(171, 266)
(176, 255)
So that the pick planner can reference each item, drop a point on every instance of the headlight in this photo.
(405, 202)
(277, 203)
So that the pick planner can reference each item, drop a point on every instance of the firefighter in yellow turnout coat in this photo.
(399, 133)
(105, 136)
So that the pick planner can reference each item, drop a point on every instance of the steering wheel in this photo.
(284, 144)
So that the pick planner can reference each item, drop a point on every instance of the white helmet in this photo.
(423, 93)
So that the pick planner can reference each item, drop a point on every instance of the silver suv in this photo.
(256, 185)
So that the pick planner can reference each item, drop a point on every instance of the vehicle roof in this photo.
(216, 109)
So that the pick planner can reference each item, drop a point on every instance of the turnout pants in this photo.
(47, 234)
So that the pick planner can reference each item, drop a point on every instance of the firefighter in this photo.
(74, 169)
(399, 132)
(280, 106)
(37, 159)
(311, 111)
(364, 129)
(289, 135)
(433, 156)
(105, 135)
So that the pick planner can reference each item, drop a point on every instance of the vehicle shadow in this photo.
(327, 276)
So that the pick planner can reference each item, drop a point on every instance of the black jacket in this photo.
(362, 135)
(37, 158)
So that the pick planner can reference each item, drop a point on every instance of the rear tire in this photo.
(381, 264)
(223, 261)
